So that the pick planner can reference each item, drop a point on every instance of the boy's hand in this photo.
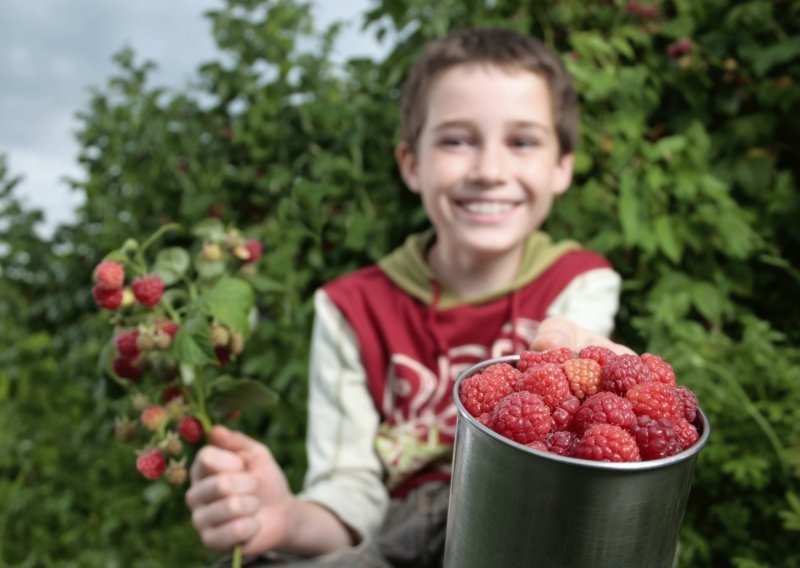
(557, 332)
(238, 494)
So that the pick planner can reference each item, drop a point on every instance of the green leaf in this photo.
(192, 344)
(667, 241)
(628, 206)
(171, 264)
(211, 230)
(780, 52)
(235, 394)
(708, 300)
(229, 302)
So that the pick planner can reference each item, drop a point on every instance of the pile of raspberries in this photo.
(593, 405)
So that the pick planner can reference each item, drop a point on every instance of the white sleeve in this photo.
(591, 300)
(344, 473)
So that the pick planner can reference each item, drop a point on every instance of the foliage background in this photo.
(686, 179)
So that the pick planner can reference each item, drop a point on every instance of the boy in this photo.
(489, 126)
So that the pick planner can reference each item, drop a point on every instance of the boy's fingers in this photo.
(225, 510)
(221, 486)
(211, 460)
(225, 537)
(554, 333)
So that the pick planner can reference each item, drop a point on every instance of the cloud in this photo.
(52, 51)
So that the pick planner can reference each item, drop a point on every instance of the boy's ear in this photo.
(563, 174)
(407, 164)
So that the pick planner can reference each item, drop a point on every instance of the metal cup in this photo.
(514, 506)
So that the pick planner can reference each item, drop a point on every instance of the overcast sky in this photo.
(52, 51)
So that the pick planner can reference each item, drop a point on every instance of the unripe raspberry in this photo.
(153, 417)
(176, 473)
(124, 429)
(109, 275)
(145, 342)
(584, 376)
(162, 341)
(237, 343)
(167, 326)
(128, 299)
(212, 252)
(190, 429)
(148, 290)
(172, 444)
(220, 335)
(140, 401)
(107, 299)
(241, 252)
(151, 464)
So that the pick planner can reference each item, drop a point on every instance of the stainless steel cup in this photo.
(513, 506)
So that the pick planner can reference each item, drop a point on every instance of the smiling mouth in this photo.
(487, 207)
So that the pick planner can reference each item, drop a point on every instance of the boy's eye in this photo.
(455, 141)
(524, 142)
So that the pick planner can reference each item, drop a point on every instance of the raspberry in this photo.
(255, 249)
(604, 408)
(511, 374)
(660, 369)
(153, 417)
(537, 445)
(522, 417)
(655, 400)
(107, 299)
(126, 343)
(486, 419)
(547, 380)
(622, 372)
(480, 393)
(220, 335)
(172, 393)
(151, 464)
(689, 401)
(223, 355)
(167, 326)
(176, 473)
(528, 359)
(584, 376)
(190, 429)
(687, 432)
(656, 438)
(607, 442)
(600, 354)
(560, 443)
(109, 275)
(125, 369)
(148, 290)
(564, 414)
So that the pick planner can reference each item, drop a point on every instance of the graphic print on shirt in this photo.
(421, 415)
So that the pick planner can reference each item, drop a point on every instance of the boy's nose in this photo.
(490, 166)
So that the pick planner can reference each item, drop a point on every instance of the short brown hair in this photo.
(494, 46)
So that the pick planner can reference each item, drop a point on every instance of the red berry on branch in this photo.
(109, 275)
(125, 369)
(255, 249)
(127, 344)
(148, 290)
(151, 464)
(190, 429)
(107, 299)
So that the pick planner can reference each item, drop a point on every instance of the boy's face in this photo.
(487, 163)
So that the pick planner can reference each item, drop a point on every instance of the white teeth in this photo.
(487, 208)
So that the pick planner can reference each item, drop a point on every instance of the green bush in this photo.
(684, 179)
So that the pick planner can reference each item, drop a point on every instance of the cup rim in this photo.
(704, 428)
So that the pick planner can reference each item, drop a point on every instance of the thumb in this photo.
(254, 453)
